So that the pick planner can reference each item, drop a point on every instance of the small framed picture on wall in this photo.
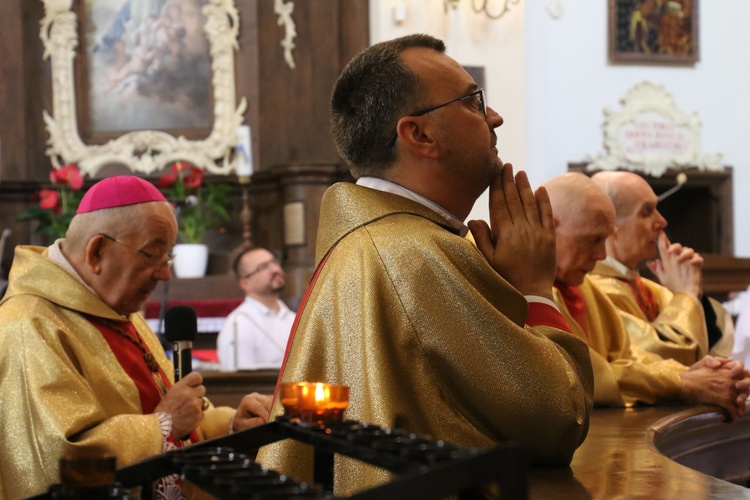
(653, 31)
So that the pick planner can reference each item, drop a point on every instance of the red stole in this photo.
(573, 299)
(131, 360)
(645, 298)
(151, 385)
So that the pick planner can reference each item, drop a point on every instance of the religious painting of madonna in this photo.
(653, 31)
(145, 65)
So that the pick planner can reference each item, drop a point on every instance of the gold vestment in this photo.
(623, 374)
(679, 331)
(64, 392)
(429, 338)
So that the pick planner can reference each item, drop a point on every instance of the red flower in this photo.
(179, 166)
(167, 180)
(67, 174)
(194, 179)
(49, 199)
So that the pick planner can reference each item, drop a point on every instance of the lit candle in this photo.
(244, 152)
(322, 402)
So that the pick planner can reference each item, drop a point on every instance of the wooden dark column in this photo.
(302, 189)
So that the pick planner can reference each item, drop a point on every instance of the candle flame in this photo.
(322, 393)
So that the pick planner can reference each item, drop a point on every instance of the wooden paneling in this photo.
(12, 91)
(288, 110)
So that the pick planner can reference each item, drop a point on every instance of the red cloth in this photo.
(131, 360)
(206, 355)
(204, 308)
(541, 314)
(576, 306)
(645, 298)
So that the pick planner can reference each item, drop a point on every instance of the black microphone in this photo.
(181, 328)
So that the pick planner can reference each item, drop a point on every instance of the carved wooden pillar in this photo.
(302, 187)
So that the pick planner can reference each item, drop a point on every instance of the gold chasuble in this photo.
(64, 392)
(429, 338)
(623, 374)
(677, 331)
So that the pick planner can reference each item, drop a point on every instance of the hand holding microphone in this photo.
(184, 401)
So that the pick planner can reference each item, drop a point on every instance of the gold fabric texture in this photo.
(63, 391)
(430, 339)
(623, 374)
(679, 332)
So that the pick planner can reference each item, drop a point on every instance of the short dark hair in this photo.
(237, 255)
(374, 90)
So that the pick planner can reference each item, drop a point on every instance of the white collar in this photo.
(54, 253)
(393, 188)
(617, 265)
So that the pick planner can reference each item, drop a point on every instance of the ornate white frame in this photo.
(646, 97)
(144, 151)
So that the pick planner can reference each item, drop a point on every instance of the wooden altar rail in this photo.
(621, 457)
(659, 452)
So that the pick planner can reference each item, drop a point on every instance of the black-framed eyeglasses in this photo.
(477, 95)
(262, 267)
(151, 259)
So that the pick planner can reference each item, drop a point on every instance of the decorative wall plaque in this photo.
(650, 134)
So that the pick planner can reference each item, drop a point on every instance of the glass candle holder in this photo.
(289, 395)
(322, 403)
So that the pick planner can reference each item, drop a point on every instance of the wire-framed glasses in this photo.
(478, 100)
(262, 267)
(151, 259)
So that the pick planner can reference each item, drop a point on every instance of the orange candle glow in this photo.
(320, 402)
(289, 395)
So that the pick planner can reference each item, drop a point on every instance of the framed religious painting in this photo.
(142, 83)
(653, 31)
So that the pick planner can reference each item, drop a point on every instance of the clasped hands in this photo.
(519, 243)
(719, 381)
(184, 402)
(678, 268)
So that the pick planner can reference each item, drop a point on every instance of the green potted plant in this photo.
(57, 205)
(201, 206)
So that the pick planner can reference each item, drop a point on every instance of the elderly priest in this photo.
(82, 373)
(624, 374)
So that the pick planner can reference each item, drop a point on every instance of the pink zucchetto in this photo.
(118, 191)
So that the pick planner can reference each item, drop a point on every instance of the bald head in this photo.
(638, 223)
(584, 218)
(622, 188)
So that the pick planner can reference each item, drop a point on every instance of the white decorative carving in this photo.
(143, 151)
(284, 11)
(650, 134)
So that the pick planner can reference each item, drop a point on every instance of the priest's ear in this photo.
(94, 253)
(416, 134)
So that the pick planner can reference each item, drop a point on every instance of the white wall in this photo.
(472, 40)
(569, 82)
(550, 80)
